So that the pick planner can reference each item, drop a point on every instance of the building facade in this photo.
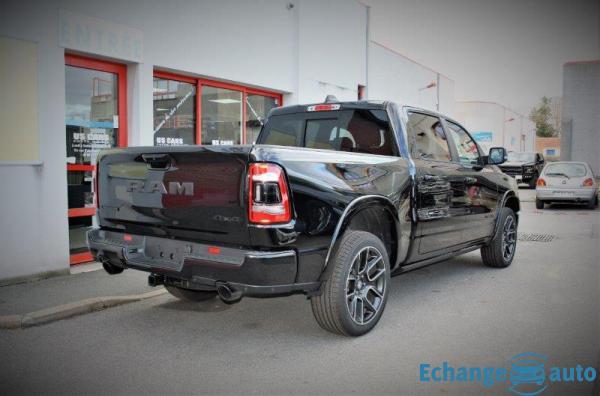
(549, 147)
(580, 138)
(81, 76)
(495, 125)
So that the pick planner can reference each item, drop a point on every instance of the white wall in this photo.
(332, 49)
(394, 77)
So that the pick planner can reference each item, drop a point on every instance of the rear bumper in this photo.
(201, 266)
(564, 194)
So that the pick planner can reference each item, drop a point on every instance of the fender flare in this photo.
(347, 214)
(505, 197)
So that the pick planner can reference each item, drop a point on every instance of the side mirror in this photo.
(497, 156)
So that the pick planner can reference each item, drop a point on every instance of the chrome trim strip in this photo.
(270, 255)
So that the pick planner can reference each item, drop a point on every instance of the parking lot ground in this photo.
(457, 311)
(26, 297)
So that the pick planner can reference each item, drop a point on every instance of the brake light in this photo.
(541, 182)
(589, 182)
(323, 107)
(268, 198)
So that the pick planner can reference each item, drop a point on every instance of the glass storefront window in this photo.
(221, 116)
(257, 109)
(174, 112)
(90, 113)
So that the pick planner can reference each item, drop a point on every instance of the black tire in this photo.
(592, 203)
(347, 284)
(112, 269)
(532, 182)
(539, 204)
(497, 254)
(190, 295)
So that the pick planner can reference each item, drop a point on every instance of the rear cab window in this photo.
(354, 130)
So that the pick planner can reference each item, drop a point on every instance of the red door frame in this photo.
(200, 82)
(121, 71)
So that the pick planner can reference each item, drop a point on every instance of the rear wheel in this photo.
(499, 253)
(592, 203)
(355, 293)
(539, 204)
(190, 295)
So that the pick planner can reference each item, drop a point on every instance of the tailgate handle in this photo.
(157, 161)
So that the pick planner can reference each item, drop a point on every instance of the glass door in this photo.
(221, 116)
(94, 120)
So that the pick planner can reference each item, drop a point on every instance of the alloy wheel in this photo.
(509, 239)
(365, 285)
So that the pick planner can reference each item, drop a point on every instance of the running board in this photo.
(424, 263)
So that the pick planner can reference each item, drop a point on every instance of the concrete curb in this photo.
(52, 314)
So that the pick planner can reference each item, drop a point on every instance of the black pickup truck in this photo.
(525, 167)
(332, 200)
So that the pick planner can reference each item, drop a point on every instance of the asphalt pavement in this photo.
(458, 311)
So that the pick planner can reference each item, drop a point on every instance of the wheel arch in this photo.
(509, 200)
(372, 213)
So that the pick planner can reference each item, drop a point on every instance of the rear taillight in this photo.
(541, 182)
(589, 182)
(268, 197)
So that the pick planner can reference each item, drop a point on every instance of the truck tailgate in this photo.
(193, 193)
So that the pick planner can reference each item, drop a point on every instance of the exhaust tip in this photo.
(227, 294)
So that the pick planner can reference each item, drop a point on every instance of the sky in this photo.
(505, 51)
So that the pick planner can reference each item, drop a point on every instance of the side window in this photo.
(465, 146)
(427, 137)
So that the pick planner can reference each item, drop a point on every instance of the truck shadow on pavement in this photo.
(291, 315)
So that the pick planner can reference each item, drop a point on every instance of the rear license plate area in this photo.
(563, 193)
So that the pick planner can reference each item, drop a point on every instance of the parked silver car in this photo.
(566, 182)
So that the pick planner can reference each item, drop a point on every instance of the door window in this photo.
(174, 112)
(221, 116)
(90, 113)
(93, 107)
(465, 146)
(257, 109)
(427, 137)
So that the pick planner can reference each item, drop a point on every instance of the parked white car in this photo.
(566, 182)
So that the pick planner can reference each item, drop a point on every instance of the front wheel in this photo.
(355, 293)
(499, 253)
(190, 295)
